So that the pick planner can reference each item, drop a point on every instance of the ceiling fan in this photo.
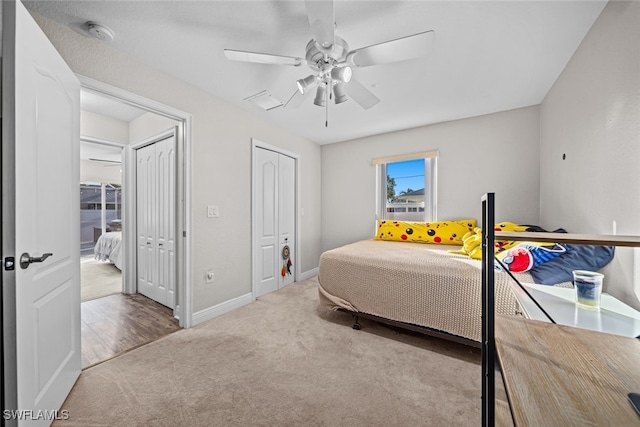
(332, 63)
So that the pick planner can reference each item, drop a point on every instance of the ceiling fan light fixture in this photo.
(320, 96)
(332, 62)
(307, 83)
(342, 74)
(338, 94)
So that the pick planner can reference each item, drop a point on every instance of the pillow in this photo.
(510, 226)
(580, 257)
(442, 232)
(501, 245)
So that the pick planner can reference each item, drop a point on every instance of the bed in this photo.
(109, 248)
(422, 286)
(410, 275)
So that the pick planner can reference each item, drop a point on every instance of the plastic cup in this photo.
(588, 286)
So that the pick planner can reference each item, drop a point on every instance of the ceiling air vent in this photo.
(264, 100)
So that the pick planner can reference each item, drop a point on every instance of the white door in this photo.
(40, 215)
(146, 219)
(286, 218)
(274, 183)
(265, 180)
(156, 219)
(166, 229)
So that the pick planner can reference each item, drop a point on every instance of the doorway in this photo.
(112, 129)
(101, 207)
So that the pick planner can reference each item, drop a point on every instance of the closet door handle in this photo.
(26, 259)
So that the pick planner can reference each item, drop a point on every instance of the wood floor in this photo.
(118, 323)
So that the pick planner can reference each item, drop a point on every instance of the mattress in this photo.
(420, 284)
(109, 248)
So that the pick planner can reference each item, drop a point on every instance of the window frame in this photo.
(430, 178)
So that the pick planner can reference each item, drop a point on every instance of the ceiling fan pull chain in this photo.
(327, 95)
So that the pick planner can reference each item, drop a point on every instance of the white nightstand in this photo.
(613, 317)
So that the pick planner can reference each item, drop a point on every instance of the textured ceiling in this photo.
(487, 56)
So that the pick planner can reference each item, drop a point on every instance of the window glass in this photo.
(406, 187)
(91, 207)
(405, 190)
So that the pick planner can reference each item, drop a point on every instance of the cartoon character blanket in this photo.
(527, 255)
(513, 256)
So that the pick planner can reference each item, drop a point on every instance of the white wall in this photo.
(102, 127)
(496, 152)
(221, 164)
(108, 129)
(592, 114)
(97, 172)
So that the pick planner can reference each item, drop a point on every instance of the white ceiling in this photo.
(487, 57)
(110, 107)
(104, 153)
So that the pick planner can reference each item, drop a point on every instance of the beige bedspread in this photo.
(415, 283)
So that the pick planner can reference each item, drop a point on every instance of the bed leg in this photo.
(356, 324)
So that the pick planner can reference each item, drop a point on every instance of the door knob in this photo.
(26, 259)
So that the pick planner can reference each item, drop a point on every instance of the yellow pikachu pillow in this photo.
(442, 232)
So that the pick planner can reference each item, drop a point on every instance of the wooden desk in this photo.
(557, 375)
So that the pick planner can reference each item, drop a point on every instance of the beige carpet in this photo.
(283, 361)
(98, 279)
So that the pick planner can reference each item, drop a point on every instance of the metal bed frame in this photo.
(408, 326)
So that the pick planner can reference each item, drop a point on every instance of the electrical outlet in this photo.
(208, 277)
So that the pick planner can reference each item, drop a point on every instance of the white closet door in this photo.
(286, 217)
(266, 192)
(274, 187)
(156, 216)
(165, 232)
(146, 220)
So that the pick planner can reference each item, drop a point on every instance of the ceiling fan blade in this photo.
(261, 58)
(322, 22)
(105, 161)
(360, 94)
(410, 47)
(296, 99)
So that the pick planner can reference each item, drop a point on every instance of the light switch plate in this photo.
(213, 211)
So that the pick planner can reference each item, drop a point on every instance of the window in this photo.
(406, 189)
(98, 201)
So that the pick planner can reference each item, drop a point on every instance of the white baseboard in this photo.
(309, 274)
(220, 309)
